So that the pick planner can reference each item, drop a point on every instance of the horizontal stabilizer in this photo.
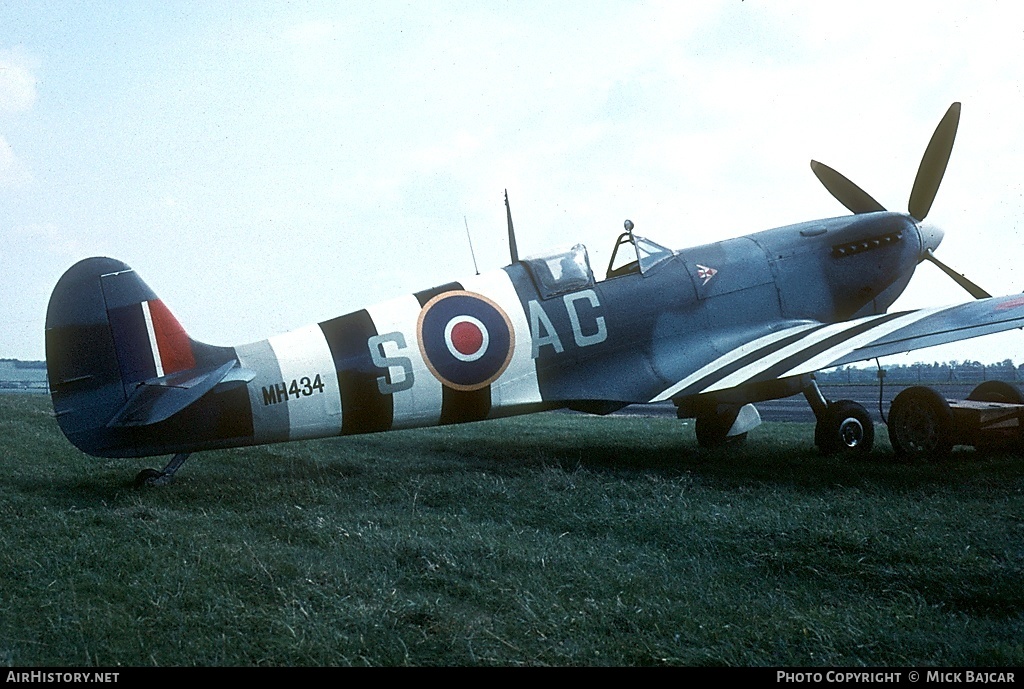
(158, 399)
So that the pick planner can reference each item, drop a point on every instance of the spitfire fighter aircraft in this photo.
(712, 328)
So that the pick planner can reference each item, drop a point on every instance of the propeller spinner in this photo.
(926, 185)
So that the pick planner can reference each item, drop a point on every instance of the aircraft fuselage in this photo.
(501, 343)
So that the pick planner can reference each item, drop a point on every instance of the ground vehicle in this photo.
(922, 422)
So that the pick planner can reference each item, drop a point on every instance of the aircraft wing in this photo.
(806, 347)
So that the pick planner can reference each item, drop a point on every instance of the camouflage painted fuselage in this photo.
(127, 381)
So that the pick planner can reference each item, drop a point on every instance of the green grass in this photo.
(543, 540)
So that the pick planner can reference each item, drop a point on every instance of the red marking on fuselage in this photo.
(705, 273)
(1012, 304)
(467, 338)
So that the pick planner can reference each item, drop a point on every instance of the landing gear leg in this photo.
(812, 393)
(844, 426)
(152, 477)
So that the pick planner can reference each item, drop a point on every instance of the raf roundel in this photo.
(466, 339)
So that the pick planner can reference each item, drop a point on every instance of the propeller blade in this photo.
(933, 164)
(845, 191)
(959, 278)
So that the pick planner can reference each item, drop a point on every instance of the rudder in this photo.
(106, 331)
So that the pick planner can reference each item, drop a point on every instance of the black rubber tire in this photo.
(996, 391)
(921, 424)
(146, 476)
(847, 428)
(711, 427)
(993, 441)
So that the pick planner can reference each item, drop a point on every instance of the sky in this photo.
(267, 165)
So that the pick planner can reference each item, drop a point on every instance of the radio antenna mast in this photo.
(511, 233)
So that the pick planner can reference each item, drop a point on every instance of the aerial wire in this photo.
(471, 252)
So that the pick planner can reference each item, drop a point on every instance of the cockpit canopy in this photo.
(568, 270)
(561, 272)
(639, 255)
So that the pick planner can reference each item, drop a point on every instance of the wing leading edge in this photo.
(807, 347)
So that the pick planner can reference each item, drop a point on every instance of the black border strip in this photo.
(458, 406)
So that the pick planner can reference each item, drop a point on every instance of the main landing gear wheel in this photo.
(921, 424)
(712, 428)
(845, 427)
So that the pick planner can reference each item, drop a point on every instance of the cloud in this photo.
(17, 94)
(17, 83)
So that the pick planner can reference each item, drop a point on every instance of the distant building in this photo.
(23, 376)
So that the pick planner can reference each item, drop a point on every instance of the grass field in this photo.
(552, 539)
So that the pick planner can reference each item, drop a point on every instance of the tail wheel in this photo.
(846, 427)
(921, 424)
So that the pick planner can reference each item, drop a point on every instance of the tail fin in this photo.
(106, 332)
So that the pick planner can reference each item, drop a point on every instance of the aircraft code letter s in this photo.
(405, 379)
